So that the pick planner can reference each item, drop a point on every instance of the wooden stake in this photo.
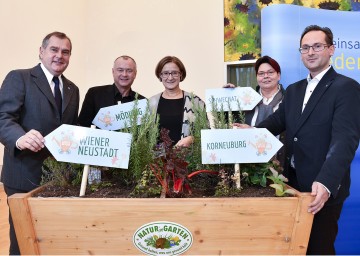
(237, 171)
(237, 176)
(85, 175)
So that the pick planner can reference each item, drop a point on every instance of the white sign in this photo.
(116, 117)
(246, 96)
(75, 144)
(230, 146)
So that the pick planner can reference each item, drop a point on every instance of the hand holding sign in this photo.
(229, 146)
(83, 145)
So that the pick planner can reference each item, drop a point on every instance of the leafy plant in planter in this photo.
(144, 139)
(252, 174)
(61, 173)
(141, 154)
(172, 171)
(167, 171)
(171, 168)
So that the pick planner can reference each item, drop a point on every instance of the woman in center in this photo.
(174, 107)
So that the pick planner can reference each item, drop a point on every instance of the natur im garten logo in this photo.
(163, 238)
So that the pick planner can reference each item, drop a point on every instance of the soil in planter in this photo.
(120, 191)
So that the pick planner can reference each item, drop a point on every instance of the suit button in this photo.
(295, 139)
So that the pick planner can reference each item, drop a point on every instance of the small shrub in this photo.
(61, 173)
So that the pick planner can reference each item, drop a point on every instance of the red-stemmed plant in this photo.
(170, 167)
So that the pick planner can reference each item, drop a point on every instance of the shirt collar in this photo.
(118, 94)
(267, 101)
(319, 76)
(48, 75)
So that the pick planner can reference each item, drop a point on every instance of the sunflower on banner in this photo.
(242, 23)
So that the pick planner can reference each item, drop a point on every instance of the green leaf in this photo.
(279, 191)
(290, 192)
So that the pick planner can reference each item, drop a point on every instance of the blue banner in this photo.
(281, 28)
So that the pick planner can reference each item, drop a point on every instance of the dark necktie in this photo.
(57, 94)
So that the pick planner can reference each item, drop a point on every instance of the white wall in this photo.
(101, 30)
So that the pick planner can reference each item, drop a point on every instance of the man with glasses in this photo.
(321, 116)
(124, 74)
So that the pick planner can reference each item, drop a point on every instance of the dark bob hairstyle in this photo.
(169, 59)
(268, 60)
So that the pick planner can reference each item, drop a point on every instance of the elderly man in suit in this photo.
(124, 73)
(321, 116)
(34, 102)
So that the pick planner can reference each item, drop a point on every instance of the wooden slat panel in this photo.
(302, 226)
(22, 219)
(224, 225)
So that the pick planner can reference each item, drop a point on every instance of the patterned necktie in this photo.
(57, 94)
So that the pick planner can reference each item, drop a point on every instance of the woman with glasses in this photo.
(268, 74)
(174, 107)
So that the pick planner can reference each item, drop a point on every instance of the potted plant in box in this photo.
(216, 225)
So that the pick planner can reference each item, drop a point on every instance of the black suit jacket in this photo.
(27, 102)
(324, 137)
(99, 97)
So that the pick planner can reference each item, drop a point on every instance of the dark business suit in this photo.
(323, 138)
(99, 97)
(27, 102)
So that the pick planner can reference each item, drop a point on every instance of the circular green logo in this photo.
(163, 238)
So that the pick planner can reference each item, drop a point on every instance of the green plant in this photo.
(144, 139)
(172, 171)
(225, 185)
(200, 122)
(219, 119)
(97, 186)
(250, 173)
(257, 173)
(279, 183)
(170, 167)
(222, 119)
(61, 173)
(147, 186)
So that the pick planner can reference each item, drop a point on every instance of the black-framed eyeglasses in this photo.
(316, 48)
(268, 73)
(166, 74)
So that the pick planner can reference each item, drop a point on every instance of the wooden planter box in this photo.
(106, 226)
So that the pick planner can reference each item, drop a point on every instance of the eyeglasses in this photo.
(315, 47)
(166, 74)
(268, 73)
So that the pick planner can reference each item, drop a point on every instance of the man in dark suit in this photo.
(29, 111)
(321, 116)
(124, 74)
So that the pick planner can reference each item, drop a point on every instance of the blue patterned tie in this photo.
(57, 92)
